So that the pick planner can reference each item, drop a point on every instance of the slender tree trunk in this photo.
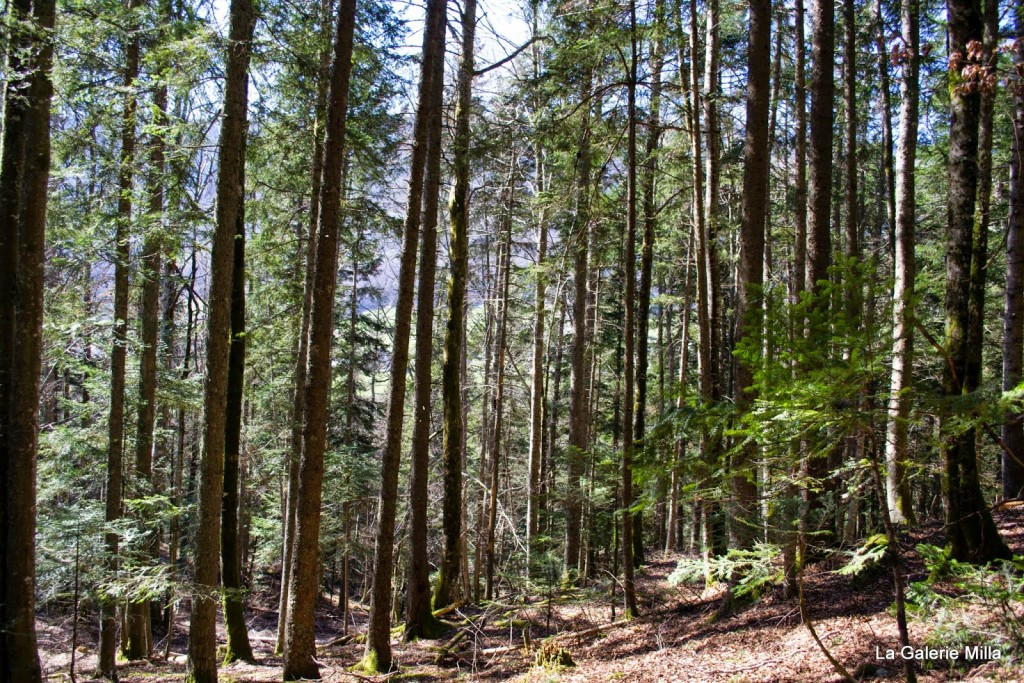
(122, 255)
(498, 400)
(419, 618)
(177, 495)
(713, 200)
(139, 637)
(378, 640)
(202, 644)
(800, 154)
(24, 175)
(539, 307)
(675, 522)
(969, 526)
(819, 234)
(453, 438)
(885, 114)
(819, 205)
(1013, 312)
(979, 255)
(629, 331)
(646, 267)
(294, 456)
(578, 399)
(231, 567)
(490, 286)
(854, 303)
(749, 297)
(300, 644)
(547, 478)
(706, 271)
(898, 499)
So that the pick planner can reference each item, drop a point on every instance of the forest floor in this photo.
(675, 638)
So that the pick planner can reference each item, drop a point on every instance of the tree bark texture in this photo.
(378, 637)
(898, 498)
(420, 619)
(969, 526)
(453, 438)
(300, 643)
(122, 254)
(1013, 310)
(202, 643)
(749, 297)
(231, 565)
(24, 174)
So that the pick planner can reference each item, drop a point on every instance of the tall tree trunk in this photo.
(969, 526)
(547, 474)
(705, 371)
(979, 238)
(539, 313)
(1013, 312)
(749, 297)
(712, 207)
(24, 175)
(300, 645)
(453, 438)
(675, 521)
(490, 284)
(419, 618)
(498, 400)
(122, 255)
(139, 637)
(819, 205)
(629, 332)
(202, 642)
(819, 191)
(800, 157)
(231, 567)
(854, 302)
(294, 456)
(578, 399)
(378, 640)
(647, 265)
(177, 495)
(898, 500)
(885, 114)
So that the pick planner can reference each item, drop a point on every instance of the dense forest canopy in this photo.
(296, 313)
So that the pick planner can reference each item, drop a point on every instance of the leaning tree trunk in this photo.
(115, 425)
(1013, 327)
(202, 642)
(300, 643)
(378, 637)
(969, 526)
(24, 175)
(420, 619)
(898, 500)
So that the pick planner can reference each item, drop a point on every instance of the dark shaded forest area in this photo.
(574, 340)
